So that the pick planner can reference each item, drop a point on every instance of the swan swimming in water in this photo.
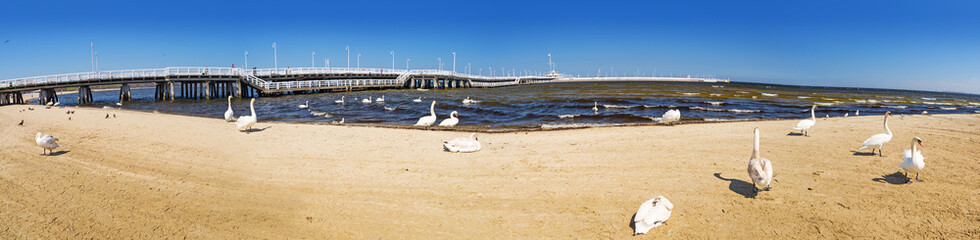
(366, 100)
(428, 120)
(341, 101)
(671, 116)
(880, 139)
(245, 123)
(914, 161)
(760, 169)
(304, 106)
(417, 99)
(380, 99)
(651, 214)
(857, 113)
(595, 107)
(469, 101)
(229, 114)
(451, 121)
(47, 142)
(341, 122)
(805, 124)
(463, 145)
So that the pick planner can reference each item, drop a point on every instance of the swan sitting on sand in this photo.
(671, 116)
(878, 140)
(229, 114)
(47, 142)
(805, 124)
(914, 161)
(245, 123)
(463, 145)
(652, 213)
(451, 121)
(428, 120)
(760, 169)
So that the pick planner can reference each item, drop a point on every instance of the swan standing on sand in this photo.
(760, 169)
(428, 120)
(47, 142)
(652, 213)
(229, 114)
(880, 139)
(451, 121)
(463, 145)
(914, 161)
(304, 106)
(805, 124)
(595, 107)
(381, 99)
(845, 114)
(366, 100)
(857, 113)
(245, 123)
(671, 116)
(417, 99)
(341, 101)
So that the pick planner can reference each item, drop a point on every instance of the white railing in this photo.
(254, 76)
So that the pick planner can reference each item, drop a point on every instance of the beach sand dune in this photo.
(145, 175)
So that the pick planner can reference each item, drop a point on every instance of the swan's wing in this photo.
(877, 139)
(644, 211)
(767, 167)
(804, 124)
(907, 155)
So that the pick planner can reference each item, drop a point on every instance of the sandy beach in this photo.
(146, 175)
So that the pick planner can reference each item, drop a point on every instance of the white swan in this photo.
(671, 116)
(47, 142)
(469, 101)
(451, 121)
(341, 101)
(366, 100)
(857, 113)
(845, 114)
(914, 161)
(304, 106)
(229, 114)
(417, 99)
(463, 145)
(428, 120)
(119, 104)
(245, 123)
(595, 107)
(880, 139)
(651, 214)
(805, 124)
(341, 122)
(760, 169)
(381, 99)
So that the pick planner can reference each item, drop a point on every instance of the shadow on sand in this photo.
(894, 178)
(856, 153)
(738, 186)
(257, 129)
(794, 134)
(633, 224)
(58, 153)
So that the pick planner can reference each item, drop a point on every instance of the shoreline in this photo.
(147, 175)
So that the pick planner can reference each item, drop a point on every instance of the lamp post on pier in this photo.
(454, 61)
(440, 63)
(93, 55)
(313, 60)
(246, 59)
(348, 57)
(406, 63)
(275, 56)
(358, 60)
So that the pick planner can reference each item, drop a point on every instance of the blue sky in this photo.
(888, 44)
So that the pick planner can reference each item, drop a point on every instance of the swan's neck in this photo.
(913, 146)
(755, 147)
(432, 109)
(229, 103)
(251, 106)
(888, 131)
(813, 116)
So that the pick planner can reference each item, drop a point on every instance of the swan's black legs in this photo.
(767, 188)
(917, 177)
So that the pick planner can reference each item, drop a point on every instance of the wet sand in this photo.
(146, 175)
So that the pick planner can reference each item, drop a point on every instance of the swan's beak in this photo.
(920, 144)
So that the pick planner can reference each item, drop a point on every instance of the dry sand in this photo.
(145, 175)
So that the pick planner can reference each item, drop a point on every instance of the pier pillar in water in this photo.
(238, 89)
(84, 94)
(124, 94)
(207, 90)
(47, 95)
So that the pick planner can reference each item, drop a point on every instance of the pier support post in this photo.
(47, 95)
(124, 94)
(84, 95)
(207, 90)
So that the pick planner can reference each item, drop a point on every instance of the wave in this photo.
(725, 110)
(930, 99)
(619, 106)
(974, 104)
(937, 103)
(823, 104)
(715, 103)
(390, 108)
(802, 97)
(576, 125)
(690, 94)
(828, 99)
(717, 86)
(947, 108)
(715, 94)
(655, 119)
(569, 115)
(717, 120)
(770, 94)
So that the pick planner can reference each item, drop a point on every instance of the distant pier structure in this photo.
(219, 82)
